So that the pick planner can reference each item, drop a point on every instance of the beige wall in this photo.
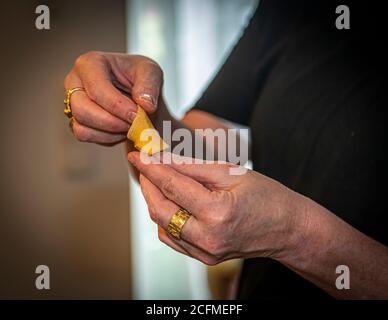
(62, 203)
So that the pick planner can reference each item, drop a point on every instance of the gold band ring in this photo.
(177, 222)
(68, 93)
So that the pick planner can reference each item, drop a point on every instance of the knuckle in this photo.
(87, 57)
(219, 218)
(81, 133)
(112, 104)
(227, 213)
(223, 208)
(150, 64)
(229, 207)
(160, 237)
(93, 92)
(78, 113)
(214, 248)
(156, 69)
(67, 80)
(153, 214)
(144, 60)
(210, 261)
(115, 105)
(214, 245)
(168, 186)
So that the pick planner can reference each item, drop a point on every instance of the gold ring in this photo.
(69, 92)
(177, 222)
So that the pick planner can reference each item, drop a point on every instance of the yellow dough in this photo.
(151, 142)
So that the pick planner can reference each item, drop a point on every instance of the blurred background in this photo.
(72, 206)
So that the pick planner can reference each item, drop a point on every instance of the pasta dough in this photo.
(148, 141)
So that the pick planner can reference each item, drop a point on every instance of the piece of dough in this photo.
(151, 142)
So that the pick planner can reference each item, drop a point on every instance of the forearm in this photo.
(327, 242)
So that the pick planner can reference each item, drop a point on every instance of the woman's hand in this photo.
(251, 215)
(233, 216)
(114, 83)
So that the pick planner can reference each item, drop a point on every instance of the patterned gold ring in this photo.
(68, 93)
(177, 222)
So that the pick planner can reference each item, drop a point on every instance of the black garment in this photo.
(313, 97)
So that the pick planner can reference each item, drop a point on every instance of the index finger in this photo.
(95, 74)
(177, 187)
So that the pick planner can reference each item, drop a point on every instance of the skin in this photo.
(243, 216)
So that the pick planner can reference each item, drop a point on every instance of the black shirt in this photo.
(313, 98)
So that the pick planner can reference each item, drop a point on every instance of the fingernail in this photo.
(132, 116)
(148, 98)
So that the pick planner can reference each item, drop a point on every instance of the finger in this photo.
(95, 75)
(181, 189)
(86, 134)
(89, 114)
(147, 81)
(205, 172)
(186, 248)
(163, 237)
(162, 209)
(72, 80)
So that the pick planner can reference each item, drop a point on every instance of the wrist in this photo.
(299, 234)
(311, 234)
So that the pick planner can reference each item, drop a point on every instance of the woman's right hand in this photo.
(114, 84)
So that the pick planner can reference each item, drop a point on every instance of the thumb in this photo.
(147, 83)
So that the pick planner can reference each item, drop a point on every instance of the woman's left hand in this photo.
(233, 216)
